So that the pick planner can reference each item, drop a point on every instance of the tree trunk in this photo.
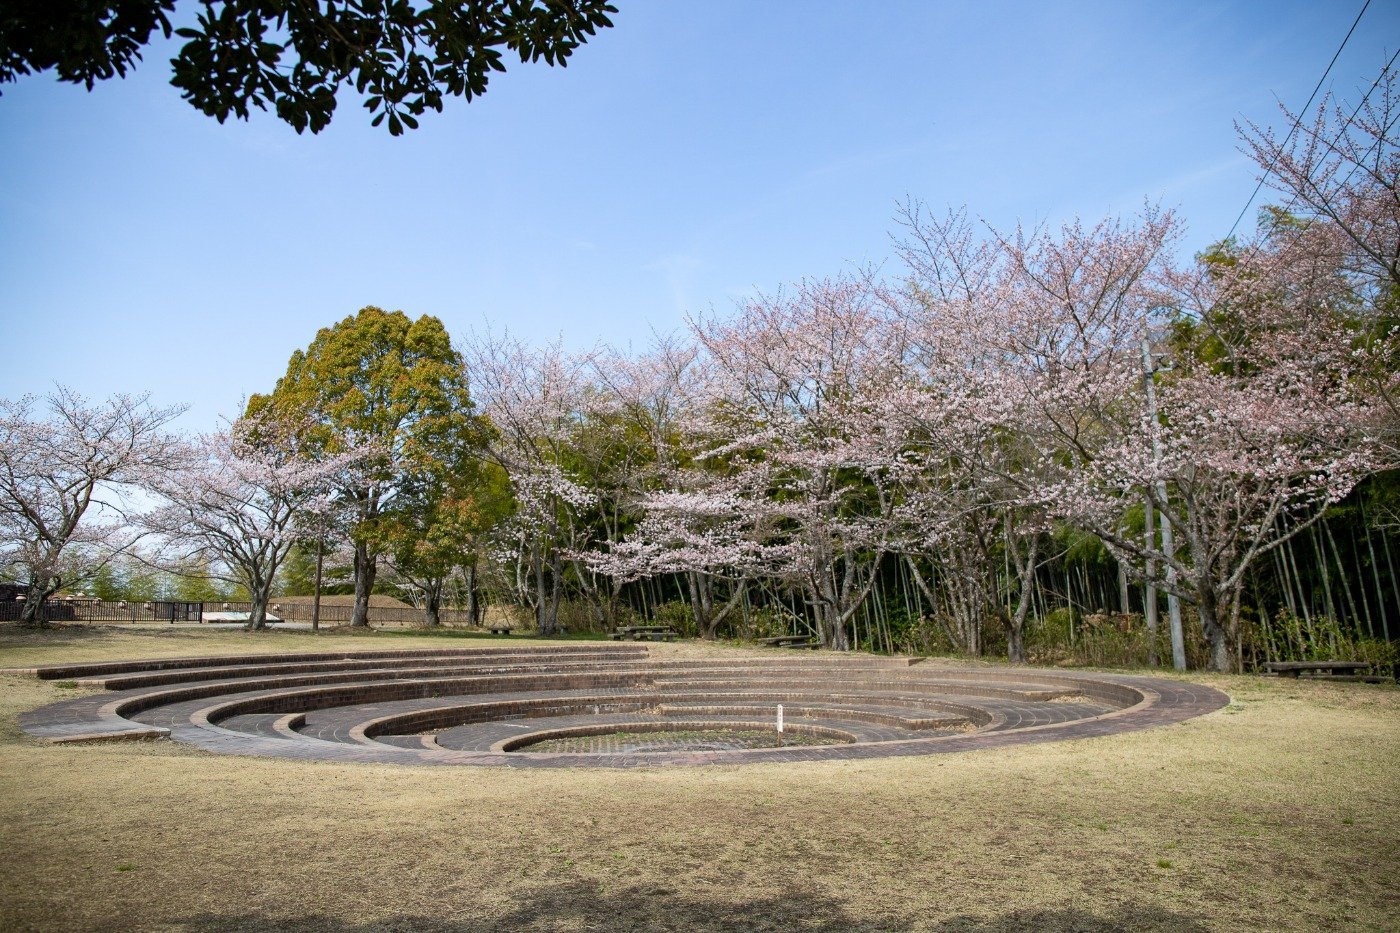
(257, 611)
(1016, 624)
(698, 609)
(840, 640)
(432, 601)
(36, 601)
(471, 595)
(366, 567)
(1208, 607)
(547, 598)
(556, 588)
(707, 609)
(1149, 582)
(316, 602)
(831, 626)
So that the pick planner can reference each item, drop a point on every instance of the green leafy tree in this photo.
(298, 574)
(192, 583)
(392, 388)
(401, 57)
(146, 585)
(106, 584)
(440, 525)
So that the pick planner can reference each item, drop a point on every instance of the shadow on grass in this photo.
(1126, 919)
(12, 634)
(584, 907)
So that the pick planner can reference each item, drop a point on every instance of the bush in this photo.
(1067, 637)
(678, 616)
(764, 622)
(1289, 638)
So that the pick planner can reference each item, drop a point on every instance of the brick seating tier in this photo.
(489, 706)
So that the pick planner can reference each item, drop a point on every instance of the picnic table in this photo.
(790, 641)
(1331, 668)
(644, 633)
(499, 629)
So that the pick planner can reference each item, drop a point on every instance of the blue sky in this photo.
(694, 154)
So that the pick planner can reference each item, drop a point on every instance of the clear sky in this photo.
(694, 154)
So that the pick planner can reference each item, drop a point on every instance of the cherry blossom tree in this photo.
(630, 445)
(532, 399)
(1329, 255)
(242, 499)
(1342, 167)
(1029, 379)
(698, 536)
(1249, 463)
(786, 423)
(1244, 449)
(1014, 343)
(64, 465)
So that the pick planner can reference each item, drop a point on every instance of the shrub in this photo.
(678, 616)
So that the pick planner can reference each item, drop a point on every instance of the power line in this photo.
(1297, 120)
(1385, 130)
(1332, 145)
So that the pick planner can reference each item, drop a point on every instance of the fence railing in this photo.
(168, 611)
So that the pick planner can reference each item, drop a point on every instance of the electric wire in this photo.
(1268, 169)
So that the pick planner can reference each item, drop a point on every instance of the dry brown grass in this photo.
(1276, 813)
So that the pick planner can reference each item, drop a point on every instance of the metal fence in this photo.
(169, 612)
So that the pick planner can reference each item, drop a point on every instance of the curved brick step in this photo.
(883, 716)
(469, 706)
(368, 667)
(405, 720)
(97, 668)
(918, 703)
(507, 737)
(845, 681)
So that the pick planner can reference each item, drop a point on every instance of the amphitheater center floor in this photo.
(1276, 812)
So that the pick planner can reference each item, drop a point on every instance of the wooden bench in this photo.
(644, 633)
(1331, 668)
(499, 629)
(790, 641)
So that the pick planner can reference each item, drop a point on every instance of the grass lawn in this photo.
(1280, 812)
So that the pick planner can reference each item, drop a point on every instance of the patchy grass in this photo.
(1278, 813)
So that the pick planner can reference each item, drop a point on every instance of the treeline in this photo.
(1057, 445)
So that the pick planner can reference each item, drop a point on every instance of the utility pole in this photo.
(316, 602)
(1149, 387)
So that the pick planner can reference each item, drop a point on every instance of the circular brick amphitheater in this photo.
(596, 705)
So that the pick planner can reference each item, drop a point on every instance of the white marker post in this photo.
(780, 724)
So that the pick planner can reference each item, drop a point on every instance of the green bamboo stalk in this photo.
(1303, 601)
(1320, 561)
(1285, 585)
(1390, 565)
(1376, 574)
(1344, 576)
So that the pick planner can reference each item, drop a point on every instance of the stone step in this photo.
(93, 669)
(844, 682)
(877, 715)
(361, 668)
